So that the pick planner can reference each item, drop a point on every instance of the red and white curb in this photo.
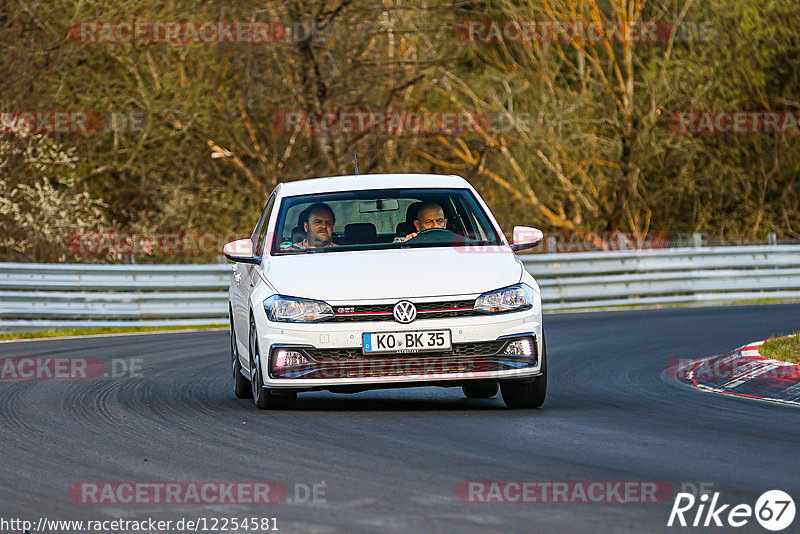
(743, 372)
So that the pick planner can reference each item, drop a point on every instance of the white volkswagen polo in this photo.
(376, 281)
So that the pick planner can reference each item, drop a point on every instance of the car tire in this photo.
(480, 390)
(528, 394)
(241, 386)
(263, 398)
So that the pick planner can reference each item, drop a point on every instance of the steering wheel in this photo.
(434, 235)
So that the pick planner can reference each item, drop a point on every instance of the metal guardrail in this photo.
(39, 296)
(43, 296)
(666, 276)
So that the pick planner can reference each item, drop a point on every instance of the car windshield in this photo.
(377, 219)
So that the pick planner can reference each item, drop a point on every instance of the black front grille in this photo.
(425, 310)
(450, 304)
(484, 348)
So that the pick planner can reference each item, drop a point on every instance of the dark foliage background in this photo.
(577, 141)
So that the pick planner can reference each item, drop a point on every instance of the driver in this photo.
(318, 227)
(429, 215)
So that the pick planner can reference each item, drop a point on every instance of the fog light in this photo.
(519, 347)
(283, 358)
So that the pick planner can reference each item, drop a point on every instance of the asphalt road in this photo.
(392, 460)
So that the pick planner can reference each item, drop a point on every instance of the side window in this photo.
(258, 240)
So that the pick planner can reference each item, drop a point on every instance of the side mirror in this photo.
(526, 237)
(241, 251)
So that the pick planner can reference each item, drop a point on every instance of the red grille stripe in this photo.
(445, 310)
(363, 313)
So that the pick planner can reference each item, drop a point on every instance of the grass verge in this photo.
(786, 349)
(105, 330)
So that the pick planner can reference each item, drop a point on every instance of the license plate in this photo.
(399, 342)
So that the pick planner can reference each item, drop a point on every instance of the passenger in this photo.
(429, 215)
(318, 227)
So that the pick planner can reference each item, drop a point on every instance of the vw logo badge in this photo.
(404, 312)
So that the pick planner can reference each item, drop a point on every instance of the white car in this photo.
(352, 283)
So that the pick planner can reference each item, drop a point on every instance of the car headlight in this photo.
(293, 310)
(513, 298)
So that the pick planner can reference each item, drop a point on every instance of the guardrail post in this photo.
(772, 239)
(697, 239)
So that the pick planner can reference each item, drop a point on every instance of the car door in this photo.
(243, 281)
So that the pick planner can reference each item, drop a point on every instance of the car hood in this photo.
(392, 274)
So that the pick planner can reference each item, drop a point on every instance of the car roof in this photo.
(371, 181)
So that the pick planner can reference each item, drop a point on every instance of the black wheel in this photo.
(241, 386)
(480, 390)
(263, 398)
(528, 394)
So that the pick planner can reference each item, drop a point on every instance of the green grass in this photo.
(105, 330)
(782, 348)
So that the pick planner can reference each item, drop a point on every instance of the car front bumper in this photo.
(335, 357)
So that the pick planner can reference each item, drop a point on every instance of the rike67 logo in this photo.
(774, 510)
